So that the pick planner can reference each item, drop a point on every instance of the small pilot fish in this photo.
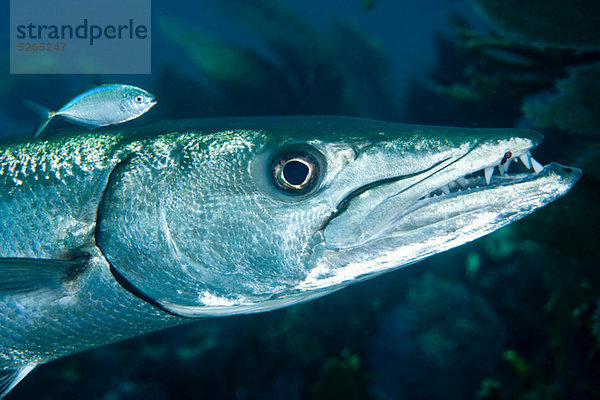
(101, 106)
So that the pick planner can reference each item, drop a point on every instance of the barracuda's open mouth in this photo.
(485, 177)
(448, 198)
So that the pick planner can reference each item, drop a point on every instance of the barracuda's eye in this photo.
(295, 172)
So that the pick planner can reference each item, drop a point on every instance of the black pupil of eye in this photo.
(295, 172)
(138, 98)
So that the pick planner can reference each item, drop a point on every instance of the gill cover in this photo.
(183, 226)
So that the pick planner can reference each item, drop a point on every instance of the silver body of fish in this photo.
(108, 235)
(104, 105)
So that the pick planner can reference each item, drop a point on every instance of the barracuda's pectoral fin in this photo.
(44, 278)
(9, 378)
(34, 282)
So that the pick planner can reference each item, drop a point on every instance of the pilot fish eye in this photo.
(295, 173)
(138, 99)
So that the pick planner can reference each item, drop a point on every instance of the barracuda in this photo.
(112, 234)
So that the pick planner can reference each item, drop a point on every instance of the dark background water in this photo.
(512, 315)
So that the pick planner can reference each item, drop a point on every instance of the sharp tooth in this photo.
(502, 168)
(445, 189)
(537, 167)
(488, 172)
(525, 160)
(462, 182)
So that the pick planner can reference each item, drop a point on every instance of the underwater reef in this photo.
(546, 23)
(574, 107)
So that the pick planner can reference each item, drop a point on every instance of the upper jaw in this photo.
(483, 159)
(494, 173)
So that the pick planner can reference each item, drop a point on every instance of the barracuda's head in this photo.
(270, 212)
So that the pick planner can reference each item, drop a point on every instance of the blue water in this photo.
(513, 315)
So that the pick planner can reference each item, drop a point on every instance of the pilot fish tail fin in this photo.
(46, 114)
(10, 377)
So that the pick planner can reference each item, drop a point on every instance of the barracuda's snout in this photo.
(489, 181)
(383, 203)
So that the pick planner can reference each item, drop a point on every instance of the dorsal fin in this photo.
(28, 276)
(10, 377)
